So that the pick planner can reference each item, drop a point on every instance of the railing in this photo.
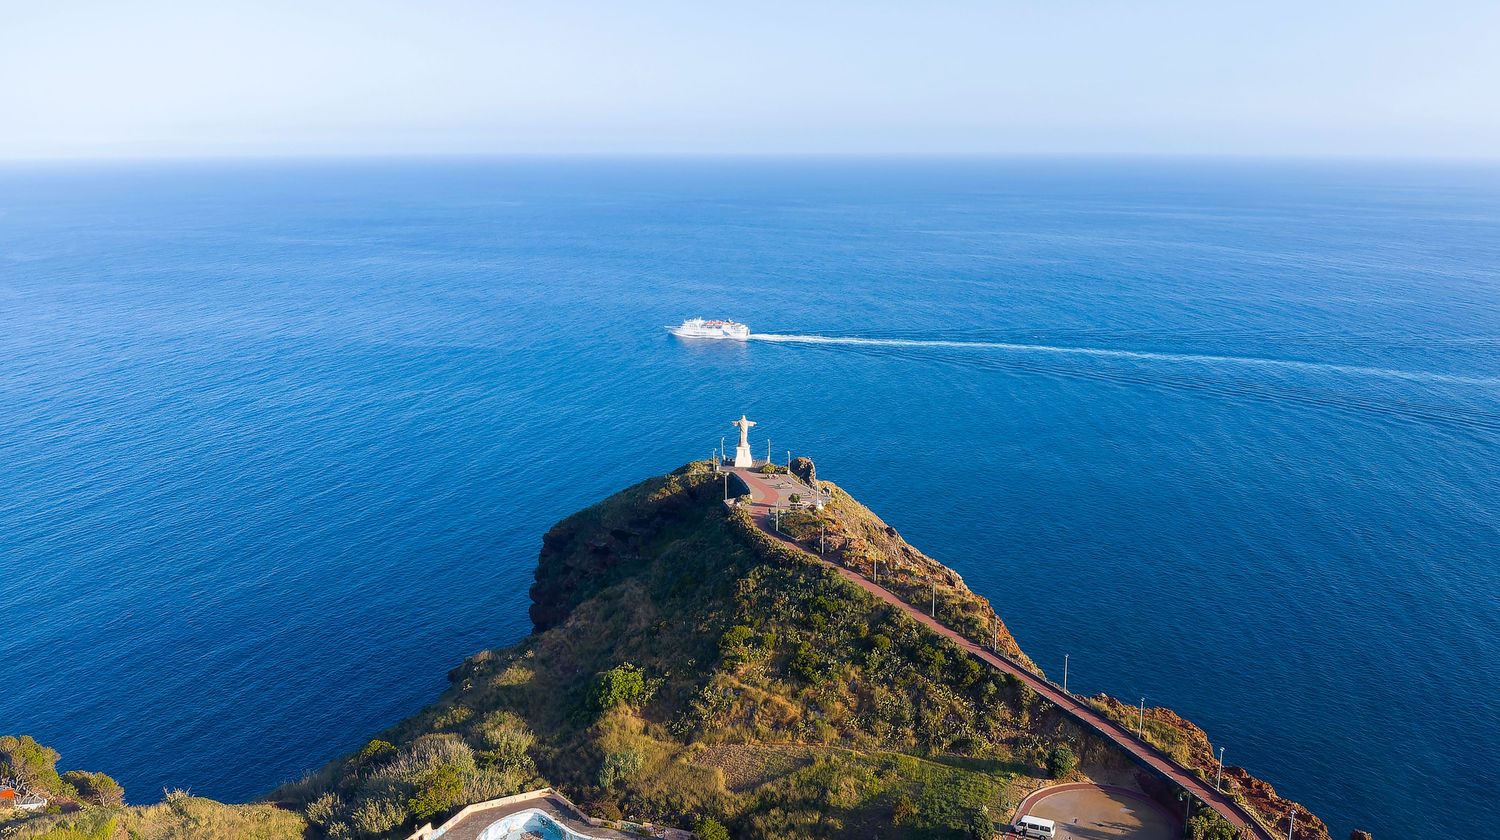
(427, 832)
(1086, 714)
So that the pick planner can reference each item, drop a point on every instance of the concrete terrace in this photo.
(470, 823)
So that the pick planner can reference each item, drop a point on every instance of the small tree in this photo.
(95, 787)
(981, 827)
(436, 790)
(710, 829)
(623, 684)
(32, 763)
(806, 664)
(1061, 761)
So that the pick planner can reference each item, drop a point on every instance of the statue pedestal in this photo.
(742, 456)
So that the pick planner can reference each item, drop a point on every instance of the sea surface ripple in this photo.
(279, 441)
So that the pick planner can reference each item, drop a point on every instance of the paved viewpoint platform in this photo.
(1101, 812)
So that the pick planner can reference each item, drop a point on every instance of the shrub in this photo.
(373, 753)
(619, 766)
(931, 658)
(95, 787)
(622, 685)
(324, 810)
(376, 816)
(805, 664)
(980, 826)
(32, 763)
(903, 810)
(732, 644)
(967, 672)
(1061, 761)
(437, 789)
(709, 828)
(452, 717)
(507, 739)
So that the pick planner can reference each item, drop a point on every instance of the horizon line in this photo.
(355, 157)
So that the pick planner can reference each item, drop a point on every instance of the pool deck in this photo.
(471, 822)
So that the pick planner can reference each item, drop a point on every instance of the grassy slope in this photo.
(785, 701)
(179, 818)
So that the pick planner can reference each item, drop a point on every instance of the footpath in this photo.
(765, 493)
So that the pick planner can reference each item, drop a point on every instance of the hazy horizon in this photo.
(170, 79)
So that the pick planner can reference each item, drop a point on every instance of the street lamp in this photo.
(1140, 727)
(1065, 673)
(1291, 824)
(1220, 776)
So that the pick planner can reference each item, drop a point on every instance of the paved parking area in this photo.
(1098, 812)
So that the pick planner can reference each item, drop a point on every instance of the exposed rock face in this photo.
(803, 468)
(590, 549)
(1359, 835)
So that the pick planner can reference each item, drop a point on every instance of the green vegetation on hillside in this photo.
(692, 671)
(689, 669)
(180, 817)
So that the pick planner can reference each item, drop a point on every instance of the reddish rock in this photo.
(803, 469)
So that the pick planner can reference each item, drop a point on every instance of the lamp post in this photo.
(1291, 824)
(768, 451)
(934, 599)
(1219, 777)
(1140, 727)
(1065, 673)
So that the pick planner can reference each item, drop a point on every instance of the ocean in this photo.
(279, 440)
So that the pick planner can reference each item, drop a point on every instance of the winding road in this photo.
(766, 496)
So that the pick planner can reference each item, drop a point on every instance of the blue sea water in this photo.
(278, 441)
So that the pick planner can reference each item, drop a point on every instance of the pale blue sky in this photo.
(289, 77)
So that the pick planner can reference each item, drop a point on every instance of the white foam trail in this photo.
(1317, 367)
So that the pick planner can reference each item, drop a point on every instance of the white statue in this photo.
(742, 452)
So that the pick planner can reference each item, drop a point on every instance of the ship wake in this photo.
(1136, 355)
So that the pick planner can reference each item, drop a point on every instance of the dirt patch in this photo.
(748, 766)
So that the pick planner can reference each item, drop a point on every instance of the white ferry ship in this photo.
(699, 328)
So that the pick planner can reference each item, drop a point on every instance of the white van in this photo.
(1036, 827)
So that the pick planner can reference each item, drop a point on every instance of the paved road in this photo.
(766, 496)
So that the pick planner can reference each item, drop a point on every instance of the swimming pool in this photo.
(532, 821)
